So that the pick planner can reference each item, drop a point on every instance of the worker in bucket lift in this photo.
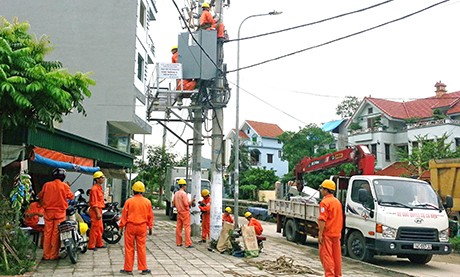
(330, 222)
(186, 84)
(207, 22)
(205, 208)
(227, 216)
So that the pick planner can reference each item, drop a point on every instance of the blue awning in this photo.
(331, 125)
(65, 165)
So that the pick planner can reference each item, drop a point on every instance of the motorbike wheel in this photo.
(111, 233)
(72, 251)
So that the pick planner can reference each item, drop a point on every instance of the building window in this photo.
(142, 14)
(370, 122)
(280, 154)
(374, 149)
(415, 144)
(279, 141)
(254, 139)
(457, 142)
(332, 146)
(370, 110)
(248, 131)
(387, 152)
(140, 67)
(270, 158)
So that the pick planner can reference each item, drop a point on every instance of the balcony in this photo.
(433, 123)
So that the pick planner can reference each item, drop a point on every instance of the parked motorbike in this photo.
(110, 218)
(72, 232)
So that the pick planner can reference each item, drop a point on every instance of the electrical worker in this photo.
(186, 84)
(96, 204)
(136, 218)
(53, 197)
(32, 215)
(175, 54)
(330, 223)
(227, 216)
(207, 22)
(254, 222)
(205, 208)
(182, 205)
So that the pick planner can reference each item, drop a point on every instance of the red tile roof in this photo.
(267, 130)
(422, 108)
(242, 134)
(399, 169)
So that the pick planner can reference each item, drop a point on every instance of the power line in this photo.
(339, 39)
(314, 22)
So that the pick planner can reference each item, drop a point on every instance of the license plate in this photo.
(66, 235)
(424, 246)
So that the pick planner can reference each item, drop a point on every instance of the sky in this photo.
(400, 61)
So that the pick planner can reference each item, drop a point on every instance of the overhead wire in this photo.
(340, 38)
(313, 23)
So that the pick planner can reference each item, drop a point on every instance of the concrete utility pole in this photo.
(195, 220)
(217, 142)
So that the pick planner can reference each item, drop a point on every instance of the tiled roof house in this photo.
(386, 125)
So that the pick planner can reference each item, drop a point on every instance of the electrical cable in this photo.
(340, 38)
(312, 23)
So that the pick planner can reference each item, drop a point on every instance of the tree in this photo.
(153, 171)
(417, 161)
(348, 106)
(303, 143)
(32, 90)
(245, 162)
(255, 179)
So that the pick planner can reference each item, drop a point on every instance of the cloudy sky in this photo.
(400, 61)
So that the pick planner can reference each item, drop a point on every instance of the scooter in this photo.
(72, 232)
(110, 218)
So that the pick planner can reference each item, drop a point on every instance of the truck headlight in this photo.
(444, 235)
(388, 232)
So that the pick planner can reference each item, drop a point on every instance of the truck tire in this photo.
(420, 258)
(291, 231)
(356, 247)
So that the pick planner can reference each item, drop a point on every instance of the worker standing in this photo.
(186, 84)
(330, 223)
(136, 218)
(227, 216)
(53, 197)
(96, 204)
(254, 222)
(182, 205)
(207, 22)
(205, 208)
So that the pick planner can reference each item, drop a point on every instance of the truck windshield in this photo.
(409, 194)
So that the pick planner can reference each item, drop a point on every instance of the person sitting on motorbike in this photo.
(96, 204)
(32, 217)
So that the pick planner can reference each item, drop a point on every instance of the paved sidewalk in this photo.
(164, 258)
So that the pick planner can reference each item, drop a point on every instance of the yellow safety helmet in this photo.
(228, 210)
(328, 184)
(205, 5)
(98, 174)
(83, 227)
(247, 214)
(139, 187)
(182, 182)
(204, 193)
(174, 47)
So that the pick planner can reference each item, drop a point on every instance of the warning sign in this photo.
(170, 70)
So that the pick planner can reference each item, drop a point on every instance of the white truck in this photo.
(173, 175)
(382, 216)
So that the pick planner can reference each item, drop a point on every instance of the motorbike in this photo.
(110, 218)
(72, 232)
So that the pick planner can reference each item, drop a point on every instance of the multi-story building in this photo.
(110, 39)
(337, 128)
(264, 148)
(386, 125)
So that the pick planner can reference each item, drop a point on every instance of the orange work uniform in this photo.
(187, 84)
(257, 227)
(207, 22)
(183, 218)
(220, 30)
(136, 217)
(32, 216)
(175, 57)
(226, 217)
(330, 252)
(96, 203)
(205, 209)
(53, 197)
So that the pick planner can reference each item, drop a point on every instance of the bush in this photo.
(455, 243)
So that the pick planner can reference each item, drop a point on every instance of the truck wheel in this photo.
(168, 206)
(356, 246)
(291, 231)
(302, 239)
(420, 259)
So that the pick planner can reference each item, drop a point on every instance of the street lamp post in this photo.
(236, 146)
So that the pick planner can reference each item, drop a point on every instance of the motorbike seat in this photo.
(260, 238)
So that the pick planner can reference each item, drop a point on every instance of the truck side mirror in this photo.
(172, 188)
(449, 202)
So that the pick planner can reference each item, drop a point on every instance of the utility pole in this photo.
(195, 220)
(217, 141)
